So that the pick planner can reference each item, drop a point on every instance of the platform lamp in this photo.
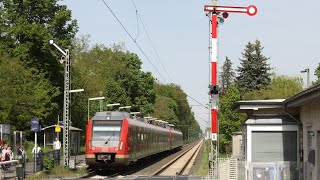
(93, 99)
(308, 75)
(124, 107)
(113, 104)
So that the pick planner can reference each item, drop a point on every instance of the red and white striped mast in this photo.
(218, 14)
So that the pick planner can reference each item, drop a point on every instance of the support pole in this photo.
(214, 96)
(214, 57)
(35, 152)
(66, 110)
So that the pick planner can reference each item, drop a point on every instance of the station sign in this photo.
(35, 126)
(5, 129)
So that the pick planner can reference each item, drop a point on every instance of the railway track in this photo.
(133, 169)
(180, 165)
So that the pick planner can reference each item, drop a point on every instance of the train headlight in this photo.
(121, 144)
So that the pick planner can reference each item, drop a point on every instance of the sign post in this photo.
(35, 127)
(218, 15)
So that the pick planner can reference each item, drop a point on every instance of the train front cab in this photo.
(104, 139)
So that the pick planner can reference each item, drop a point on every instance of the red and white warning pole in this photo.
(214, 10)
(214, 58)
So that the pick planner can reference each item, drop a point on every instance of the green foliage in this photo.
(281, 87)
(110, 72)
(28, 146)
(48, 163)
(254, 70)
(172, 105)
(25, 94)
(32, 90)
(26, 28)
(227, 75)
(204, 167)
(60, 171)
(38, 176)
(229, 121)
(317, 73)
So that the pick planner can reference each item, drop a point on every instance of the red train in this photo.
(115, 139)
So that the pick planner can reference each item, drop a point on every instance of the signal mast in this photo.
(218, 16)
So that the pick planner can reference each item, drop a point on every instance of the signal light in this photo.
(225, 15)
(222, 17)
(220, 20)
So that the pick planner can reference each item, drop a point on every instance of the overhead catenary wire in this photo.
(151, 42)
(144, 54)
(137, 13)
(156, 52)
(142, 51)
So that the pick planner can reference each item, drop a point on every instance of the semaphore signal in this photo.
(218, 16)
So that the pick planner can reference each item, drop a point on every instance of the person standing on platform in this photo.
(56, 148)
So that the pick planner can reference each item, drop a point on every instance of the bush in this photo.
(48, 163)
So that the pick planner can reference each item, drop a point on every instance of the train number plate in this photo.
(104, 157)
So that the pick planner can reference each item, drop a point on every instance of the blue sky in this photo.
(288, 30)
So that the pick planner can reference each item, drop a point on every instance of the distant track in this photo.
(184, 159)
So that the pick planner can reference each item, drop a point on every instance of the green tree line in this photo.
(32, 77)
(254, 81)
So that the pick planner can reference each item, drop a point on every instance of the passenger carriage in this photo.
(115, 139)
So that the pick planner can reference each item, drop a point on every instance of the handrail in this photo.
(9, 162)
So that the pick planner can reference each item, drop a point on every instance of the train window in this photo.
(105, 133)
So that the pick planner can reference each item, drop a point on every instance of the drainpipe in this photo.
(300, 141)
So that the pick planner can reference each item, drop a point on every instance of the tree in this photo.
(280, 87)
(317, 73)
(166, 108)
(229, 121)
(25, 94)
(172, 105)
(26, 26)
(114, 72)
(254, 70)
(227, 75)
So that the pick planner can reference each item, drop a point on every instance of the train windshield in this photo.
(106, 133)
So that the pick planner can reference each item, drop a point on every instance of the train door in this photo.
(134, 142)
(171, 139)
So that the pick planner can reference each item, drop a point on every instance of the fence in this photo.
(11, 169)
(55, 157)
(233, 169)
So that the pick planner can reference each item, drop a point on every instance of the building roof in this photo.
(243, 106)
(308, 95)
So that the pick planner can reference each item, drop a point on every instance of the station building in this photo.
(281, 137)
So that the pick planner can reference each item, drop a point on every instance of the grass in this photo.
(37, 176)
(221, 155)
(58, 172)
(204, 167)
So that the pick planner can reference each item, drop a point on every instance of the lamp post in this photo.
(124, 107)
(93, 99)
(308, 75)
(114, 104)
(66, 102)
(111, 105)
